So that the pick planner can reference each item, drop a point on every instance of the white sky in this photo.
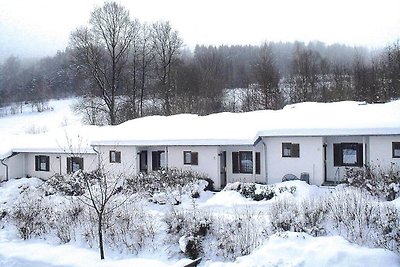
(41, 27)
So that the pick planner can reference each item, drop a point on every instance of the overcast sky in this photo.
(41, 27)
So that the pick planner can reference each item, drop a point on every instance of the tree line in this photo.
(125, 69)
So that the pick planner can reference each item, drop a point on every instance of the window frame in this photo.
(395, 146)
(293, 148)
(338, 150)
(193, 156)
(38, 163)
(117, 156)
(238, 156)
(71, 161)
(156, 160)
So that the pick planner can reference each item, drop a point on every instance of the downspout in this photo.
(98, 156)
(365, 151)
(265, 160)
(5, 165)
(166, 157)
(253, 156)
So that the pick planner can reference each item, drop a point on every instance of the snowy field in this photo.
(278, 249)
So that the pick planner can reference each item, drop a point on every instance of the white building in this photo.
(313, 141)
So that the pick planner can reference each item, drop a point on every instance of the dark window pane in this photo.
(235, 162)
(258, 163)
(246, 161)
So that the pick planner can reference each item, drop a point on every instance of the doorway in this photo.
(143, 161)
(223, 169)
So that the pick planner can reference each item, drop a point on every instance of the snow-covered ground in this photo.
(283, 249)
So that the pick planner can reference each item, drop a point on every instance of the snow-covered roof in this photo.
(303, 119)
(58, 131)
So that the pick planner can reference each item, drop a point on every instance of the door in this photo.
(223, 169)
(143, 161)
(325, 167)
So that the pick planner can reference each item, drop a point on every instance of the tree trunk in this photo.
(100, 232)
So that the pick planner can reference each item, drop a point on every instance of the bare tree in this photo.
(166, 46)
(305, 73)
(210, 65)
(267, 77)
(103, 50)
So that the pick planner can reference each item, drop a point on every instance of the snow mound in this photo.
(302, 250)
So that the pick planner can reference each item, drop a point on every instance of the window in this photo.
(290, 150)
(242, 162)
(42, 163)
(396, 150)
(74, 164)
(157, 160)
(190, 158)
(115, 156)
(348, 154)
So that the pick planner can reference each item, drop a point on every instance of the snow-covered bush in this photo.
(283, 214)
(353, 214)
(286, 214)
(67, 221)
(130, 229)
(168, 186)
(259, 192)
(312, 215)
(69, 185)
(31, 215)
(238, 235)
(189, 228)
(388, 228)
(379, 181)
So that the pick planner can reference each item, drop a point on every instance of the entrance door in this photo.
(143, 161)
(325, 167)
(223, 169)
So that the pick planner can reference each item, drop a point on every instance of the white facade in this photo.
(310, 159)
(128, 164)
(315, 157)
(337, 173)
(245, 177)
(214, 161)
(23, 164)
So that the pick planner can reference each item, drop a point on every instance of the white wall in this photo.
(28, 164)
(15, 167)
(244, 177)
(310, 160)
(2, 172)
(208, 159)
(129, 159)
(381, 150)
(336, 173)
(207, 156)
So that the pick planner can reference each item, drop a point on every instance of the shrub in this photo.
(353, 214)
(283, 214)
(67, 222)
(381, 182)
(31, 215)
(189, 227)
(130, 229)
(168, 186)
(69, 185)
(239, 235)
(259, 192)
(307, 216)
(387, 228)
